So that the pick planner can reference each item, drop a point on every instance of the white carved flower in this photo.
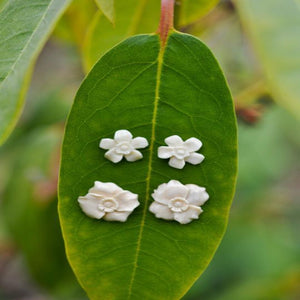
(108, 201)
(175, 201)
(180, 151)
(123, 145)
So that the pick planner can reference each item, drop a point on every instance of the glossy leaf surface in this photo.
(154, 93)
(25, 26)
(272, 26)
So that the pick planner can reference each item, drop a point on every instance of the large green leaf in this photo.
(192, 10)
(154, 93)
(107, 7)
(25, 26)
(132, 16)
(274, 28)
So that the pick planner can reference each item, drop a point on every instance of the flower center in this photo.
(124, 148)
(108, 205)
(180, 152)
(178, 204)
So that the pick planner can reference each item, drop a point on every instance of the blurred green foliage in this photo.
(259, 257)
(273, 27)
(30, 199)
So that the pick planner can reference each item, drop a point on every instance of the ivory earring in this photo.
(123, 145)
(179, 152)
(106, 200)
(175, 201)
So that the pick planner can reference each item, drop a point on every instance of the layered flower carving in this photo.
(123, 145)
(108, 201)
(179, 152)
(175, 201)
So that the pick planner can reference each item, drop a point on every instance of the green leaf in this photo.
(154, 93)
(132, 17)
(107, 7)
(25, 26)
(274, 29)
(192, 10)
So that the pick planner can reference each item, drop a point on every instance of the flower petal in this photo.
(158, 194)
(161, 211)
(165, 152)
(176, 163)
(117, 216)
(127, 201)
(193, 144)
(89, 206)
(123, 135)
(107, 144)
(194, 158)
(197, 195)
(139, 142)
(175, 189)
(134, 155)
(187, 216)
(113, 156)
(106, 189)
(174, 141)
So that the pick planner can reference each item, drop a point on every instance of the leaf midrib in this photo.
(28, 42)
(148, 178)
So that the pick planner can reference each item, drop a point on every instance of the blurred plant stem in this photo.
(177, 13)
(249, 95)
(246, 105)
(206, 22)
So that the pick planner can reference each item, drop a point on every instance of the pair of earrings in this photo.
(172, 201)
(177, 151)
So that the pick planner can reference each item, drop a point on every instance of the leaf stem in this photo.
(166, 19)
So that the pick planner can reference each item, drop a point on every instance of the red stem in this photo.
(166, 19)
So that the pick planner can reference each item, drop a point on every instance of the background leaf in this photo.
(153, 94)
(132, 17)
(73, 25)
(273, 25)
(25, 27)
(30, 205)
(107, 7)
(192, 10)
(2, 2)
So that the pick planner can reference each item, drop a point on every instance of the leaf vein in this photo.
(148, 179)
(114, 97)
(192, 83)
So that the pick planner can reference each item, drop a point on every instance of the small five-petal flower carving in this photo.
(108, 201)
(123, 145)
(175, 201)
(180, 151)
